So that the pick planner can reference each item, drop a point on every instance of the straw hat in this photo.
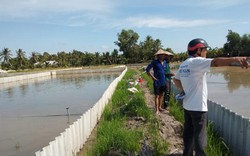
(159, 52)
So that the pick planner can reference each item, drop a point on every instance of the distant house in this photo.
(50, 62)
(46, 63)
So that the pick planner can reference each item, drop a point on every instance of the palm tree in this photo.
(6, 56)
(107, 58)
(62, 58)
(20, 57)
(114, 56)
(34, 57)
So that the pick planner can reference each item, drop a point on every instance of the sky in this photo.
(93, 25)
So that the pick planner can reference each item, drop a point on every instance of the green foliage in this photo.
(245, 45)
(216, 145)
(148, 48)
(126, 103)
(216, 52)
(137, 107)
(132, 52)
(149, 82)
(176, 109)
(114, 137)
(5, 56)
(237, 45)
(179, 57)
(127, 40)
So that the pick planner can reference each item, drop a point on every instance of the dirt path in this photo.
(170, 129)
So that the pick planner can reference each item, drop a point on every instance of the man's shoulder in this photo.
(198, 60)
(155, 62)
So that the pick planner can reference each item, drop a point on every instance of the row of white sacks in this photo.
(74, 137)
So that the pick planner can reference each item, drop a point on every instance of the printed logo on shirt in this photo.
(184, 71)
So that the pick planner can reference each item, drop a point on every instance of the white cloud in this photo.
(187, 3)
(216, 4)
(102, 13)
(245, 22)
(31, 8)
(156, 22)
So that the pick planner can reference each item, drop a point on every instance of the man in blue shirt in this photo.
(158, 77)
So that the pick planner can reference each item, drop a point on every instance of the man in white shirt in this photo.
(191, 78)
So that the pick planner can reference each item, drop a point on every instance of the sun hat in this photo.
(160, 52)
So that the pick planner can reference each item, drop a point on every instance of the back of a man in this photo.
(191, 79)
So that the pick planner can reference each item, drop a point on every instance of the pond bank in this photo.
(169, 129)
(30, 75)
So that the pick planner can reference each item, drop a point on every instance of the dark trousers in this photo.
(194, 134)
(167, 94)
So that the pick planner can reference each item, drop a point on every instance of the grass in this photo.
(115, 135)
(215, 144)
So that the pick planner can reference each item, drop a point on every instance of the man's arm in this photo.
(178, 84)
(151, 75)
(148, 71)
(227, 61)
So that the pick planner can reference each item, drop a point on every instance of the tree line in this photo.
(131, 51)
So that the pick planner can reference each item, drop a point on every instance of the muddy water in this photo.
(34, 112)
(230, 86)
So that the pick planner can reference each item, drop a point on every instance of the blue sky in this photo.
(92, 25)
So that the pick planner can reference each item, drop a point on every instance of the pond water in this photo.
(230, 87)
(33, 112)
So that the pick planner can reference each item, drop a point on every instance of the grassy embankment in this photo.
(128, 126)
(215, 144)
(115, 136)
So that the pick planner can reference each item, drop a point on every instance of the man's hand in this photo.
(244, 62)
(154, 79)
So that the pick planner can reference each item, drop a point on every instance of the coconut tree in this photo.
(5, 55)
(34, 57)
(62, 59)
(107, 58)
(20, 57)
(114, 56)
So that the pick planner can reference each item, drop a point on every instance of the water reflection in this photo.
(37, 109)
(235, 77)
(80, 79)
(24, 83)
(230, 86)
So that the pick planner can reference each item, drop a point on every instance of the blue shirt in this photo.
(159, 72)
